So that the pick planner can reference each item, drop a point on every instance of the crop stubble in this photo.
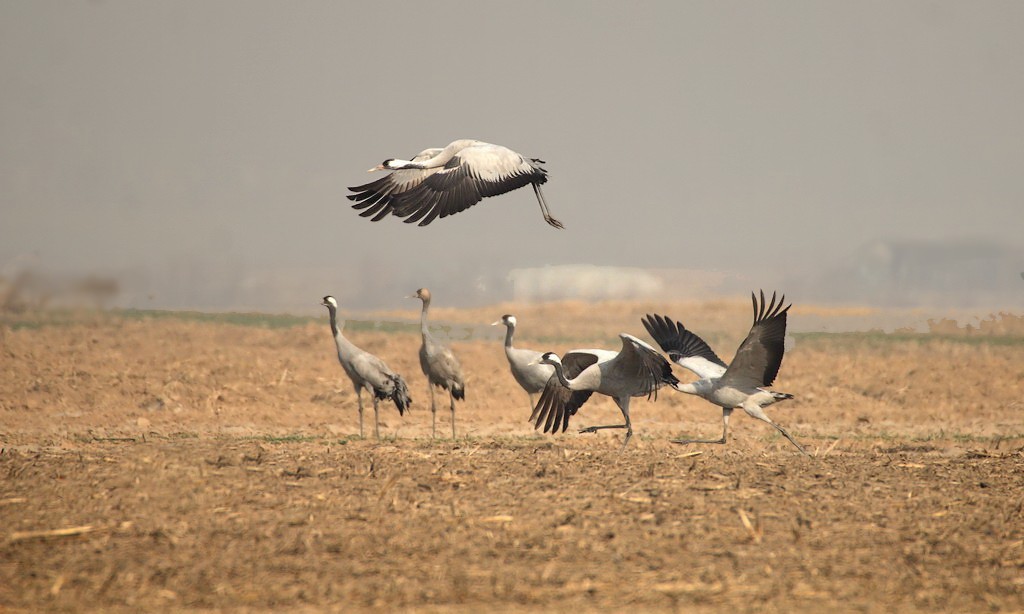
(198, 464)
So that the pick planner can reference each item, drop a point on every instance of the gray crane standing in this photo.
(528, 372)
(367, 371)
(439, 365)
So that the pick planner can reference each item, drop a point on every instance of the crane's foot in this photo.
(553, 222)
(594, 429)
(686, 441)
(798, 446)
(786, 434)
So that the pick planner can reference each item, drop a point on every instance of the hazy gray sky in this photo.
(211, 137)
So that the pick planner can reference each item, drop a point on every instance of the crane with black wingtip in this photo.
(741, 384)
(439, 182)
(634, 371)
(367, 371)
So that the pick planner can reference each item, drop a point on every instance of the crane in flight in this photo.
(439, 182)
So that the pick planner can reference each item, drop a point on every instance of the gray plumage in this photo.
(636, 370)
(736, 385)
(528, 372)
(439, 365)
(442, 182)
(367, 371)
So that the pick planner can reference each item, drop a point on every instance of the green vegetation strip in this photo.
(880, 337)
(41, 319)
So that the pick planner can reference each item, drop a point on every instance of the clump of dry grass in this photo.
(995, 325)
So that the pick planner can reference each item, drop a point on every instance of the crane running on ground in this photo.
(367, 371)
(739, 385)
(634, 371)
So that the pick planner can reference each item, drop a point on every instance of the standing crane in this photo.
(526, 367)
(634, 371)
(741, 384)
(442, 182)
(367, 371)
(439, 365)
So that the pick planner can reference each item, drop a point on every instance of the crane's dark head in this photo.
(423, 294)
(329, 302)
(387, 165)
(547, 358)
(507, 320)
(550, 358)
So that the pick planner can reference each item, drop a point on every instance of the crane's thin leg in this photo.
(531, 402)
(376, 419)
(624, 408)
(757, 412)
(433, 413)
(594, 429)
(544, 208)
(359, 396)
(451, 399)
(725, 431)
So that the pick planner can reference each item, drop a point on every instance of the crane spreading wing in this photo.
(557, 403)
(759, 357)
(684, 347)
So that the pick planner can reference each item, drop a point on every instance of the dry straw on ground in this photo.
(153, 463)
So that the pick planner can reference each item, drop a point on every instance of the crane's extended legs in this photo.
(624, 407)
(725, 431)
(451, 399)
(544, 208)
(757, 412)
(754, 411)
(433, 413)
(376, 419)
(359, 396)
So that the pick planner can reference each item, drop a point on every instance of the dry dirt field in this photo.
(179, 462)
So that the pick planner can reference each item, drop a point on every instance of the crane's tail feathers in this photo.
(397, 392)
(667, 377)
(459, 394)
(781, 396)
(401, 395)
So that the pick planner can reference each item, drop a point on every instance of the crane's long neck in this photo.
(437, 161)
(423, 317)
(334, 321)
(510, 329)
(340, 341)
(560, 373)
(700, 388)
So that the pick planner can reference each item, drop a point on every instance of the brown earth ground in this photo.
(180, 461)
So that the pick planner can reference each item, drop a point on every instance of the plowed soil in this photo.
(172, 463)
